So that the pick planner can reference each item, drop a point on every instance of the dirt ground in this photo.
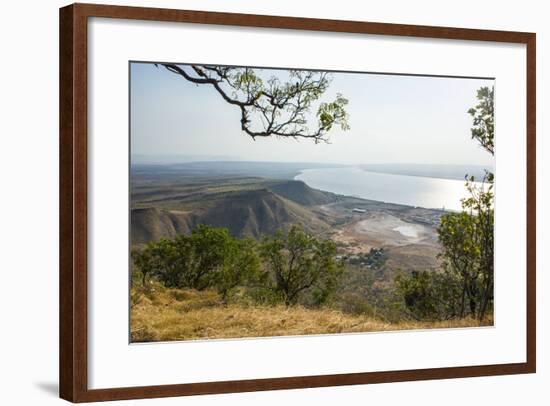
(383, 229)
(408, 244)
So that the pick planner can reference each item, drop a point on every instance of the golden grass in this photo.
(160, 314)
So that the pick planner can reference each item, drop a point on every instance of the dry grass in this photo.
(160, 314)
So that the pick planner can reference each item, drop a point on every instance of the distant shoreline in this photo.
(392, 188)
(293, 169)
(435, 187)
(450, 172)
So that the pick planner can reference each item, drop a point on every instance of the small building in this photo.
(357, 210)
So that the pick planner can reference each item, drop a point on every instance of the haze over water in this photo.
(433, 193)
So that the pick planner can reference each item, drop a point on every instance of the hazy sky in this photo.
(393, 119)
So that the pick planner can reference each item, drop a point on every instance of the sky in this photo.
(392, 118)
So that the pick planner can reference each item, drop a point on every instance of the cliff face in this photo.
(152, 224)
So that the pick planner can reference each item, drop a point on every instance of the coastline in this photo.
(405, 190)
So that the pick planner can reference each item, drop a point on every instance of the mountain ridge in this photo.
(252, 212)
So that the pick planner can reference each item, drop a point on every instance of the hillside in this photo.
(162, 314)
(152, 224)
(247, 212)
(299, 192)
(258, 212)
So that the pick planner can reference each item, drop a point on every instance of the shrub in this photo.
(301, 264)
(430, 295)
(208, 258)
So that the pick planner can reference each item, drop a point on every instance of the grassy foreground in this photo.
(161, 314)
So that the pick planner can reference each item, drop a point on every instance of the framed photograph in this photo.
(255, 202)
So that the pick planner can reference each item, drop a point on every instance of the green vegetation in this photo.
(166, 314)
(243, 256)
(301, 264)
(430, 295)
(483, 114)
(466, 286)
(208, 258)
(271, 107)
(296, 268)
(209, 284)
(374, 259)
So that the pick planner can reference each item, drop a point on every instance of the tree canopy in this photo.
(208, 258)
(301, 262)
(483, 129)
(296, 267)
(467, 241)
(272, 106)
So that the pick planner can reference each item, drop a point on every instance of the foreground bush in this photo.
(430, 295)
(290, 268)
(300, 265)
(208, 258)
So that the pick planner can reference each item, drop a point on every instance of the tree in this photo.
(269, 106)
(186, 261)
(430, 295)
(483, 114)
(301, 263)
(145, 263)
(480, 205)
(208, 258)
(240, 267)
(466, 285)
(158, 259)
(481, 200)
(468, 246)
(467, 237)
(209, 248)
(458, 237)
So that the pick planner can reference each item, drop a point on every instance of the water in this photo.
(407, 231)
(409, 190)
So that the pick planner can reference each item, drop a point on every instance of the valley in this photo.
(376, 244)
(166, 203)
